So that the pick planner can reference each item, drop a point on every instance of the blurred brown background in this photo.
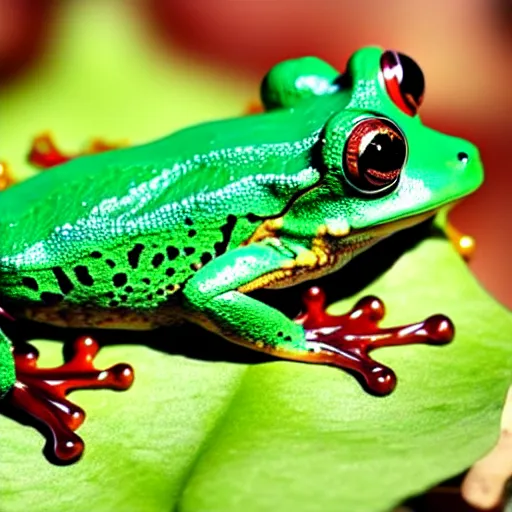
(463, 47)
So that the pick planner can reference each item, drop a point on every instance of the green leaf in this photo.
(200, 430)
(210, 435)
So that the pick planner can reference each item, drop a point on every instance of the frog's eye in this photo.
(374, 156)
(404, 81)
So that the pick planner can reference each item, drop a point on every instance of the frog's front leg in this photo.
(214, 299)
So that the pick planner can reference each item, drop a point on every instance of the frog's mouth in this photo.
(358, 240)
(388, 228)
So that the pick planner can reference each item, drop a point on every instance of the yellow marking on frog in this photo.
(266, 229)
(266, 280)
(326, 252)
(291, 270)
(306, 258)
(175, 287)
(335, 228)
(317, 256)
(321, 249)
(288, 264)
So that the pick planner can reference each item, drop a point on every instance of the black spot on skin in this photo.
(189, 250)
(129, 289)
(124, 298)
(63, 280)
(110, 263)
(154, 246)
(146, 280)
(83, 276)
(287, 338)
(157, 260)
(170, 272)
(114, 303)
(96, 255)
(192, 233)
(110, 295)
(31, 283)
(150, 296)
(188, 221)
(206, 257)
(172, 253)
(50, 299)
(119, 280)
(160, 291)
(280, 333)
(134, 255)
(227, 231)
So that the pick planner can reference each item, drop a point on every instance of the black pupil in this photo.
(383, 154)
(412, 85)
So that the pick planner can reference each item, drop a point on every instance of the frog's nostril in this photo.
(463, 157)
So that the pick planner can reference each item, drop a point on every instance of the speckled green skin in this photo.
(140, 235)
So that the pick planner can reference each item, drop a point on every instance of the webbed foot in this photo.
(44, 153)
(346, 340)
(41, 392)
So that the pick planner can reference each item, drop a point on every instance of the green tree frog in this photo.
(186, 226)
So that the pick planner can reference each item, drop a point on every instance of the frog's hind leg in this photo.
(44, 152)
(40, 393)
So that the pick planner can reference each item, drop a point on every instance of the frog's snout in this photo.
(469, 165)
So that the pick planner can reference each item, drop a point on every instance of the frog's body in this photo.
(172, 211)
(184, 226)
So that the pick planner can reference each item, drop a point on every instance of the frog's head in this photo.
(382, 163)
(380, 157)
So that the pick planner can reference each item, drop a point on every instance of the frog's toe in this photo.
(371, 308)
(440, 330)
(41, 392)
(7, 177)
(381, 379)
(346, 340)
(465, 245)
(44, 152)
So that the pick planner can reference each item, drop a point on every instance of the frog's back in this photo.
(127, 186)
(129, 227)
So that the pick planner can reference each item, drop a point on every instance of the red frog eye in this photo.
(374, 156)
(404, 81)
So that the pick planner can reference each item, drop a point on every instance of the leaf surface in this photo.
(212, 433)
